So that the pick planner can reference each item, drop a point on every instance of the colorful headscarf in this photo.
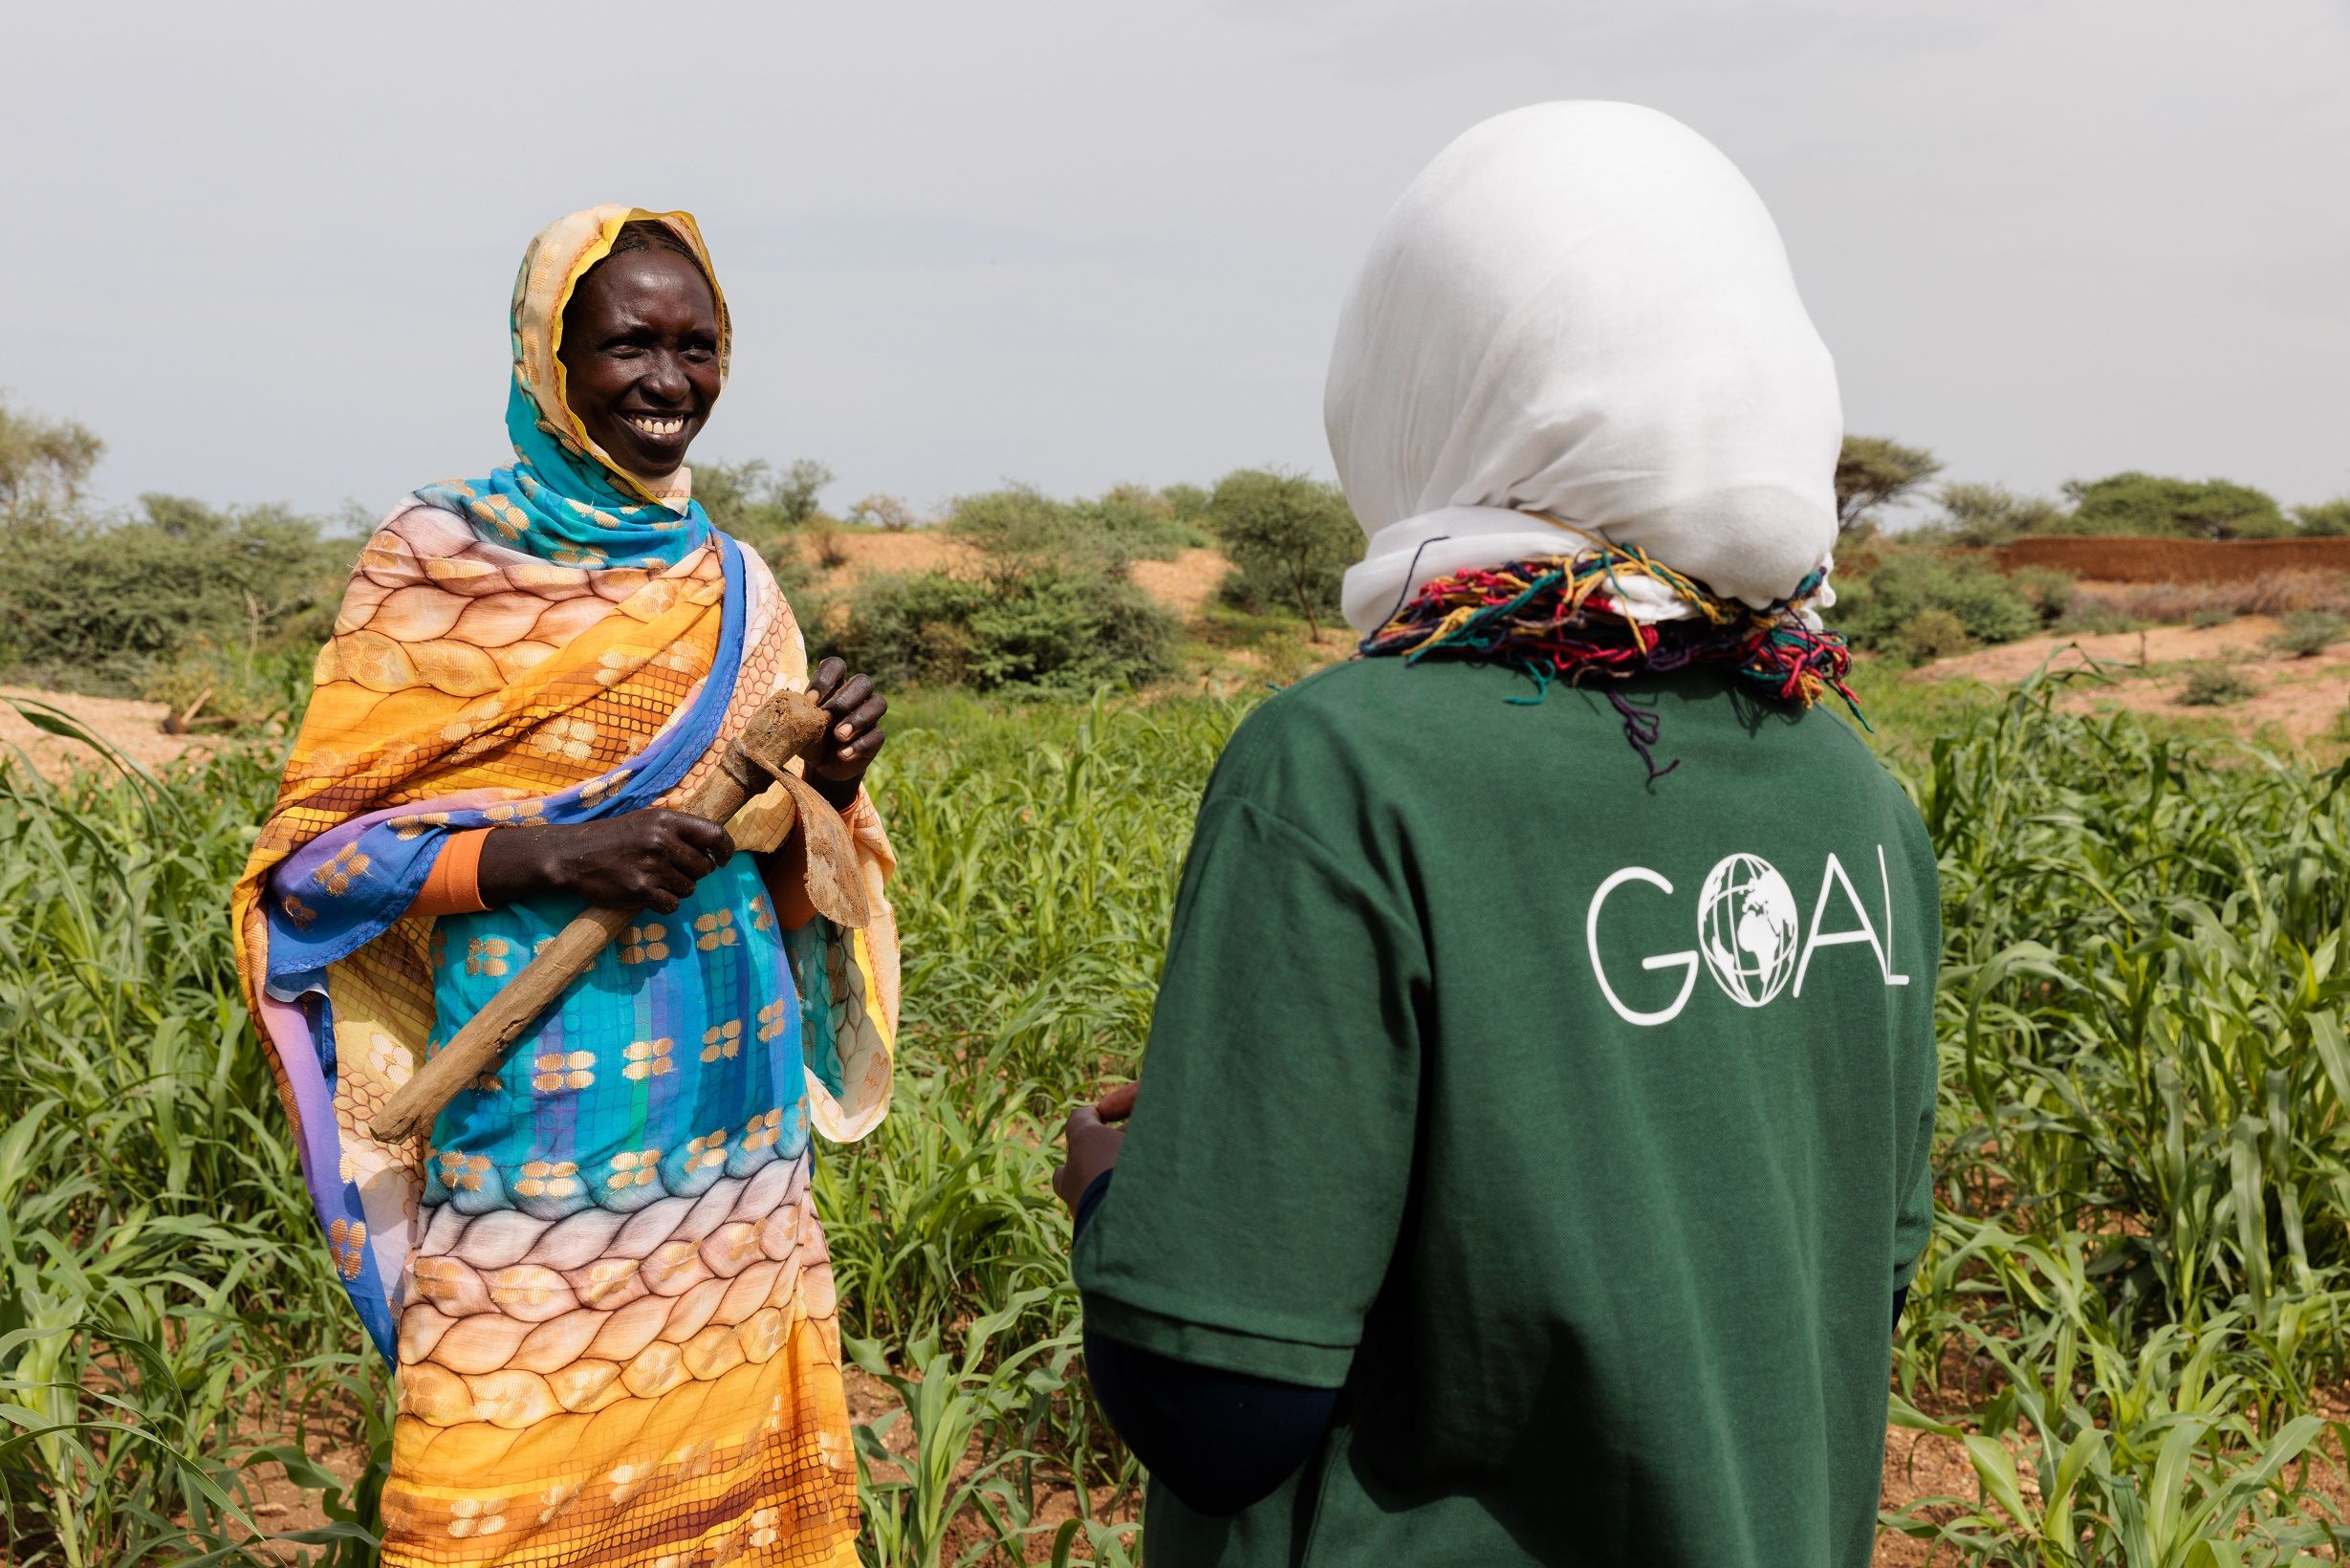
(565, 499)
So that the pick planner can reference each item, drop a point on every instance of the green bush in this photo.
(2309, 633)
(2327, 520)
(2204, 619)
(1033, 632)
(2050, 591)
(92, 603)
(1290, 539)
(2215, 685)
(1106, 533)
(1879, 609)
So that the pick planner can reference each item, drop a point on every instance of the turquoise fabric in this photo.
(675, 1060)
(563, 506)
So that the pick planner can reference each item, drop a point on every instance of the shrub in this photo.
(1032, 631)
(1932, 634)
(1290, 539)
(2210, 616)
(2049, 589)
(97, 603)
(1878, 610)
(2309, 633)
(2327, 520)
(886, 511)
(1022, 525)
(824, 539)
(754, 502)
(2215, 685)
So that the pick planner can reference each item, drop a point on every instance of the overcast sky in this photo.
(264, 250)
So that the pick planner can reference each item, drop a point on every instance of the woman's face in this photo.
(640, 357)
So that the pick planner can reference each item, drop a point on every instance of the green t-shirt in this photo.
(1575, 1126)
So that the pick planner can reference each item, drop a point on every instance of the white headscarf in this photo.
(1582, 309)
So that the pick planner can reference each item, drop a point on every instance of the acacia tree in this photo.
(2327, 520)
(883, 510)
(1873, 472)
(2156, 506)
(43, 462)
(1989, 515)
(1290, 535)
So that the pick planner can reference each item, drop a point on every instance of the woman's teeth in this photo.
(656, 426)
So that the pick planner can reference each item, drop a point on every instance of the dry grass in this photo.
(2272, 593)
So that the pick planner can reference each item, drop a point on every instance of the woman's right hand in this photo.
(647, 859)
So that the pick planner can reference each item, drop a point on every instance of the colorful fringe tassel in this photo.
(1562, 617)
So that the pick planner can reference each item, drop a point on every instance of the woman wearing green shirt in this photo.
(1532, 1140)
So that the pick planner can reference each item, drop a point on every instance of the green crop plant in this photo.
(2131, 1314)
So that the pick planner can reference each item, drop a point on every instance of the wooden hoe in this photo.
(788, 724)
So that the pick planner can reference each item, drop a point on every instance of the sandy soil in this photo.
(1181, 586)
(133, 728)
(2303, 698)
(916, 550)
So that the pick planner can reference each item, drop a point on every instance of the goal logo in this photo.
(1749, 938)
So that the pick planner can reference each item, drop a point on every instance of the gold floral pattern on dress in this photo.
(763, 1130)
(714, 931)
(685, 661)
(595, 789)
(346, 1239)
(570, 739)
(411, 827)
(486, 955)
(296, 911)
(765, 1528)
(627, 1480)
(647, 1059)
(773, 1017)
(634, 1167)
(762, 916)
(548, 1179)
(561, 1071)
(722, 1042)
(390, 1062)
(476, 718)
(476, 1516)
(462, 1172)
(438, 1278)
(555, 1500)
(646, 943)
(501, 514)
(518, 816)
(346, 866)
(707, 1151)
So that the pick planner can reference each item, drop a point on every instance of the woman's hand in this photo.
(647, 859)
(836, 768)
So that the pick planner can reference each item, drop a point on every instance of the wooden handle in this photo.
(786, 726)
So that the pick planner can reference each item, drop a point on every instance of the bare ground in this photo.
(2303, 698)
(135, 729)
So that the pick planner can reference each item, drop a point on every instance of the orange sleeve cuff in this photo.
(454, 885)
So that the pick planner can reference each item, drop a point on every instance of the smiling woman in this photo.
(600, 1278)
(640, 350)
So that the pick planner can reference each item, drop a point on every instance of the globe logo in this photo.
(1746, 927)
